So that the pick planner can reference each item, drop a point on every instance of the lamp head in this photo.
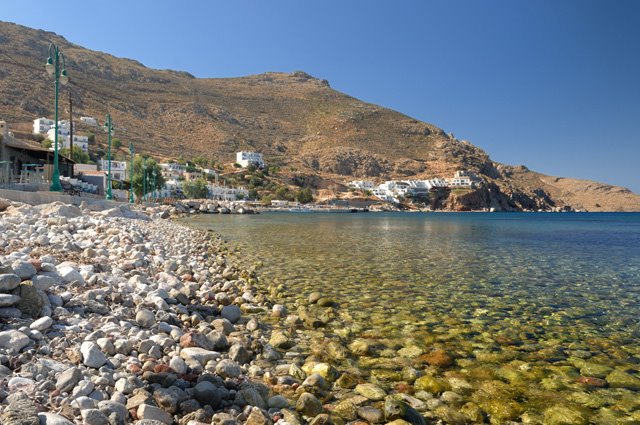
(49, 66)
(64, 78)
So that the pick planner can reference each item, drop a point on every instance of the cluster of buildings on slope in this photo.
(20, 158)
(174, 174)
(47, 126)
(393, 190)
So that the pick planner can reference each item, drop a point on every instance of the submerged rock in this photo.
(397, 409)
(565, 415)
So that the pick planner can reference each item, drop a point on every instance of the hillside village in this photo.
(23, 164)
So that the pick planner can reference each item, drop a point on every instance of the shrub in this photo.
(196, 189)
(304, 196)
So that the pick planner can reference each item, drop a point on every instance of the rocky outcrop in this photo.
(348, 162)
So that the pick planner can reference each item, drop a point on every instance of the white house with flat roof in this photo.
(362, 184)
(89, 121)
(247, 158)
(42, 125)
(64, 138)
(463, 178)
(172, 170)
(118, 169)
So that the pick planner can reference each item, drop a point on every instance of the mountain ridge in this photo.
(296, 120)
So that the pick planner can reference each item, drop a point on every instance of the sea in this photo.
(545, 306)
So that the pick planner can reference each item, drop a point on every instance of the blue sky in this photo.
(554, 85)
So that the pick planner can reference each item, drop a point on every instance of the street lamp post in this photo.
(59, 76)
(131, 174)
(154, 185)
(144, 179)
(108, 127)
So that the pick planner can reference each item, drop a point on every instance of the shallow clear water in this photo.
(496, 291)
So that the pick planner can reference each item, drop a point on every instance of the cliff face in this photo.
(297, 121)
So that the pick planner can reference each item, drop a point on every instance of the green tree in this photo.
(281, 193)
(304, 196)
(200, 161)
(91, 137)
(139, 175)
(47, 143)
(117, 143)
(77, 154)
(195, 189)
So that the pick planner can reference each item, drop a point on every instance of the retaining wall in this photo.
(38, 198)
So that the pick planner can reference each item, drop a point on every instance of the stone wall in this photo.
(38, 198)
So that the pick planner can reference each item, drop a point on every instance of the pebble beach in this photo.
(122, 315)
(119, 315)
(125, 315)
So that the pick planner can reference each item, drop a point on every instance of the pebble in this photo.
(7, 300)
(9, 281)
(207, 393)
(41, 324)
(91, 355)
(231, 312)
(146, 411)
(13, 340)
(48, 418)
(198, 355)
(68, 379)
(145, 318)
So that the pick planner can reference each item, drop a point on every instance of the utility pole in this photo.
(70, 126)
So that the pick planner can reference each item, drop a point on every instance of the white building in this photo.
(62, 131)
(89, 121)
(247, 158)
(118, 169)
(223, 193)
(64, 137)
(42, 125)
(463, 179)
(361, 184)
(435, 183)
(209, 171)
(172, 170)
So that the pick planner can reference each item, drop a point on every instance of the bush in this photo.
(281, 193)
(117, 143)
(77, 154)
(46, 143)
(196, 189)
(304, 196)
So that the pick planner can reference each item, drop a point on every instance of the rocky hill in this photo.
(297, 121)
